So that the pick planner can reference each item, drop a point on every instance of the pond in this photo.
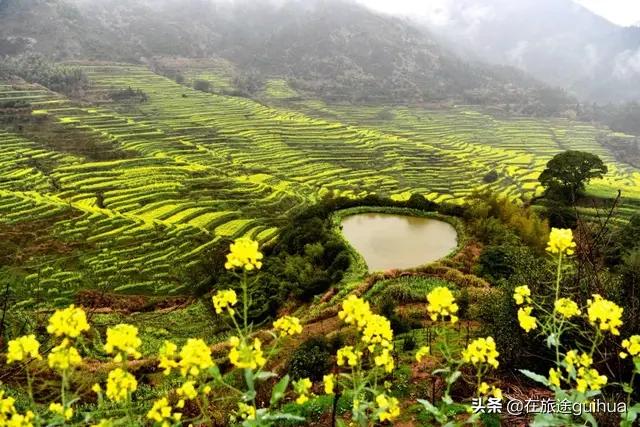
(389, 241)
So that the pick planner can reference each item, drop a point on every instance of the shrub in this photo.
(312, 359)
(202, 85)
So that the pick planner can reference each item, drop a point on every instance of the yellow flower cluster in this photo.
(604, 314)
(566, 308)
(522, 294)
(481, 350)
(186, 391)
(302, 387)
(526, 320)
(10, 417)
(441, 303)
(288, 325)
(385, 359)
(120, 385)
(349, 355)
(631, 347)
(422, 353)
(555, 377)
(244, 254)
(121, 339)
(195, 356)
(377, 331)
(58, 409)
(225, 299)
(388, 408)
(589, 379)
(23, 348)
(355, 311)
(329, 382)
(246, 412)
(573, 360)
(64, 356)
(246, 355)
(161, 413)
(489, 390)
(167, 355)
(70, 322)
(561, 241)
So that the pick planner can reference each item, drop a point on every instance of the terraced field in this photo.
(194, 168)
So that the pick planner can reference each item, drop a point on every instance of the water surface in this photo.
(389, 241)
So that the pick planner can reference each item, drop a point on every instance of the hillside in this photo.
(330, 48)
(557, 41)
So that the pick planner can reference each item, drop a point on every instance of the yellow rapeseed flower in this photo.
(64, 356)
(441, 303)
(195, 356)
(225, 299)
(161, 412)
(561, 241)
(422, 353)
(70, 322)
(377, 331)
(573, 360)
(329, 383)
(489, 390)
(167, 355)
(566, 307)
(187, 390)
(348, 355)
(23, 348)
(522, 295)
(388, 408)
(302, 388)
(123, 338)
(244, 254)
(246, 355)
(384, 359)
(526, 320)
(58, 409)
(120, 385)
(288, 325)
(604, 314)
(554, 377)
(481, 350)
(631, 347)
(246, 412)
(589, 379)
(355, 311)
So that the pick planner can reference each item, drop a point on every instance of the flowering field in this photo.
(187, 168)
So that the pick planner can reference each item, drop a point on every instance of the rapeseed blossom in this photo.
(377, 331)
(64, 356)
(604, 314)
(247, 412)
(120, 385)
(561, 241)
(526, 320)
(442, 303)
(302, 388)
(121, 339)
(161, 412)
(489, 390)
(573, 360)
(58, 409)
(388, 407)
(589, 379)
(566, 307)
(384, 359)
(244, 254)
(195, 356)
(23, 348)
(329, 383)
(348, 355)
(70, 322)
(631, 347)
(481, 350)
(554, 377)
(522, 294)
(246, 355)
(421, 353)
(225, 299)
(10, 417)
(355, 311)
(288, 325)
(167, 353)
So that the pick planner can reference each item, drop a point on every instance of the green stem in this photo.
(245, 299)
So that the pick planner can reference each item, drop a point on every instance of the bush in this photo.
(202, 85)
(312, 359)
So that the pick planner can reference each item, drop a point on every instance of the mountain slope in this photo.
(333, 48)
(558, 41)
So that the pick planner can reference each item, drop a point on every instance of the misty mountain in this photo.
(333, 48)
(557, 41)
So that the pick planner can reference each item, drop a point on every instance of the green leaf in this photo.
(453, 377)
(536, 377)
(278, 390)
(265, 375)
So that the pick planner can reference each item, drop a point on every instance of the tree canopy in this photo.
(567, 173)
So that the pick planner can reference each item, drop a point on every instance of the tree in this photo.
(567, 173)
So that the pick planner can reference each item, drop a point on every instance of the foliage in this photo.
(129, 94)
(202, 85)
(36, 69)
(567, 173)
(312, 359)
